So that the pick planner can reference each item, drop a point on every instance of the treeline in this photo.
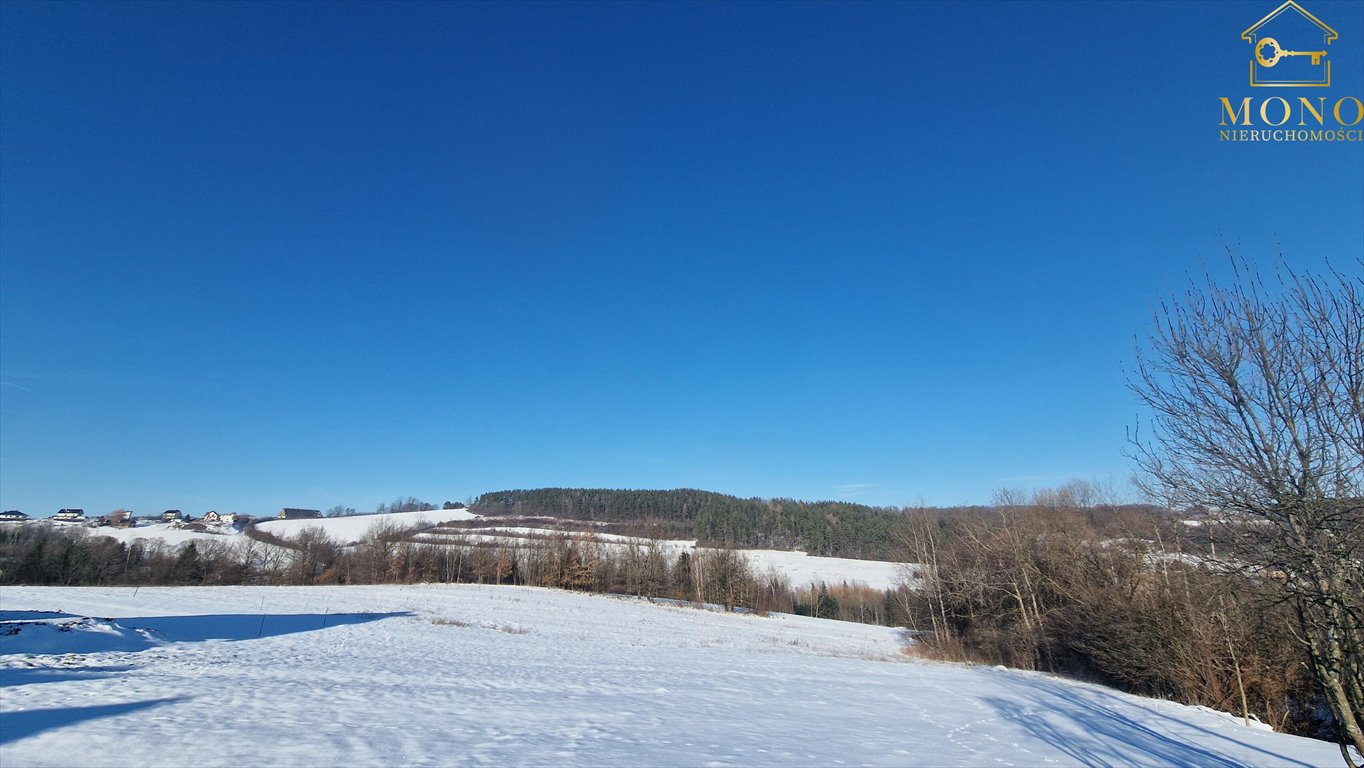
(1136, 600)
(390, 553)
(400, 504)
(42, 555)
(829, 528)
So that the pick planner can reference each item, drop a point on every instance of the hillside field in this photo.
(484, 675)
(798, 568)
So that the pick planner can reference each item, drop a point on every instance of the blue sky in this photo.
(262, 255)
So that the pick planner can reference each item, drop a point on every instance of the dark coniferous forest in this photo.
(827, 528)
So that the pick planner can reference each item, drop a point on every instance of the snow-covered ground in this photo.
(473, 675)
(353, 528)
(801, 570)
(170, 533)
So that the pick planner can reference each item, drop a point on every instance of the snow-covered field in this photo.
(472, 675)
(801, 570)
(170, 533)
(353, 528)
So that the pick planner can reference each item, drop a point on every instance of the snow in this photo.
(805, 571)
(170, 533)
(353, 528)
(483, 675)
(522, 531)
(60, 633)
(345, 529)
(801, 570)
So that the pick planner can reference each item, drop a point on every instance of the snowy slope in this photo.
(344, 529)
(804, 570)
(354, 527)
(801, 570)
(167, 532)
(470, 675)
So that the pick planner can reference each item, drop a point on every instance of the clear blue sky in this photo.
(256, 255)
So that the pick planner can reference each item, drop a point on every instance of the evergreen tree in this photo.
(683, 580)
(188, 569)
(31, 569)
(826, 605)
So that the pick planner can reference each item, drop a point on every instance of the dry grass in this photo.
(507, 628)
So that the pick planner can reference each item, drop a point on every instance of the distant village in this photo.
(125, 518)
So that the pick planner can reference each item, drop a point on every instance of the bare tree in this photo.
(313, 553)
(655, 577)
(724, 576)
(923, 576)
(1257, 402)
(377, 547)
(401, 504)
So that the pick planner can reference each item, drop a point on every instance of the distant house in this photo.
(223, 518)
(289, 513)
(12, 516)
(70, 515)
(172, 515)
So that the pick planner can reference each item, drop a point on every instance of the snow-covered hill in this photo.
(470, 675)
(800, 570)
(350, 529)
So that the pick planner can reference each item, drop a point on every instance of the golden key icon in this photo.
(1279, 53)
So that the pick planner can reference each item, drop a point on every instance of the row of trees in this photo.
(1256, 397)
(400, 504)
(392, 553)
(32, 554)
(1134, 601)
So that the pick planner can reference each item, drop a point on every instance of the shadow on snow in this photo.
(1098, 729)
(246, 626)
(19, 725)
(35, 615)
(138, 633)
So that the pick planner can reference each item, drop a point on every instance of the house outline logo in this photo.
(1268, 51)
